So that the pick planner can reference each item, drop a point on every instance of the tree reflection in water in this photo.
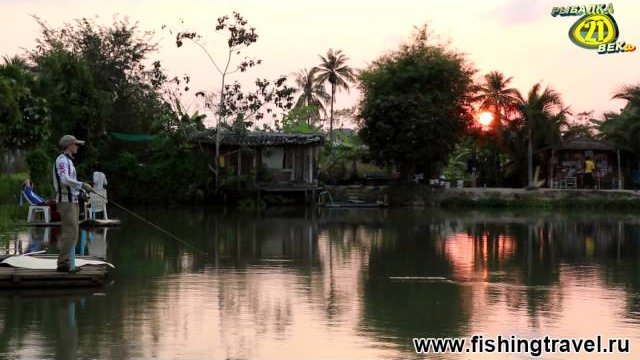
(277, 283)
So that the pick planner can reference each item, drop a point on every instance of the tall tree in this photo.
(333, 69)
(240, 36)
(416, 105)
(541, 110)
(232, 102)
(495, 96)
(312, 92)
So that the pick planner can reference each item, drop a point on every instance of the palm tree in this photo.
(623, 128)
(632, 95)
(312, 92)
(543, 110)
(497, 96)
(333, 69)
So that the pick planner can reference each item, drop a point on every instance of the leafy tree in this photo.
(312, 93)
(457, 163)
(333, 69)
(346, 151)
(96, 82)
(584, 126)
(297, 120)
(416, 105)
(243, 108)
(24, 116)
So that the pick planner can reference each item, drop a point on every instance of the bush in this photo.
(41, 170)
(250, 204)
(10, 188)
(171, 175)
(9, 214)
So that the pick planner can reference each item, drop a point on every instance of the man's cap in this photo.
(67, 140)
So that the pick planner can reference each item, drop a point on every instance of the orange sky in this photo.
(518, 37)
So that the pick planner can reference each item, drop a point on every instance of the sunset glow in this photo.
(485, 118)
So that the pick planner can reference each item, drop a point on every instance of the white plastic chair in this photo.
(97, 203)
(35, 209)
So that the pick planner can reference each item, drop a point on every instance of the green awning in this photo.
(132, 137)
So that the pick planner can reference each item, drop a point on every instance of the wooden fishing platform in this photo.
(349, 205)
(83, 223)
(88, 276)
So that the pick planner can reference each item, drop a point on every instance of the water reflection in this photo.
(338, 284)
(42, 323)
(34, 239)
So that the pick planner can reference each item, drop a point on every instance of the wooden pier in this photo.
(88, 276)
(83, 223)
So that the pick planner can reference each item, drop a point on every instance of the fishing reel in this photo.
(83, 196)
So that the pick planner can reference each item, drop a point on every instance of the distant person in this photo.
(589, 167)
(67, 189)
(472, 169)
(99, 178)
(29, 194)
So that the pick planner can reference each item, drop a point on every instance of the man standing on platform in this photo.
(67, 189)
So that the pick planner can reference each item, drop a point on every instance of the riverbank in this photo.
(420, 195)
(424, 196)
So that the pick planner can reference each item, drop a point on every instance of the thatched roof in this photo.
(258, 138)
(584, 143)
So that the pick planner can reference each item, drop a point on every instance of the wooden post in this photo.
(293, 165)
(257, 198)
(619, 171)
(551, 167)
(255, 163)
(309, 152)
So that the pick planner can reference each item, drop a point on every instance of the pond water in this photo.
(350, 284)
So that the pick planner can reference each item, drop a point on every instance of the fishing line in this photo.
(153, 225)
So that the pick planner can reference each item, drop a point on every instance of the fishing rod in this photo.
(153, 225)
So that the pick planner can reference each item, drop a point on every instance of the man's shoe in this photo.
(67, 269)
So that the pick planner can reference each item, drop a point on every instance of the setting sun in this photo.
(485, 118)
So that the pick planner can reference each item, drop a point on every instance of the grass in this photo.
(10, 187)
(10, 215)
(10, 211)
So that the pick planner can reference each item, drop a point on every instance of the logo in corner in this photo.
(595, 29)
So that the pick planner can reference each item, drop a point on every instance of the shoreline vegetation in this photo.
(404, 195)
(10, 210)
(425, 112)
(10, 215)
(416, 195)
(420, 195)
